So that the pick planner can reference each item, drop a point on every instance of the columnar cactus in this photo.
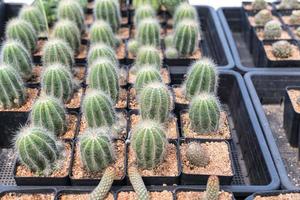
(69, 32)
(108, 11)
(295, 17)
(185, 11)
(57, 51)
(49, 113)
(146, 75)
(197, 155)
(289, 4)
(171, 5)
(148, 32)
(101, 32)
(12, 90)
(143, 12)
(154, 3)
(98, 109)
(259, 5)
(137, 183)
(186, 37)
(100, 50)
(262, 17)
(149, 144)
(155, 102)
(212, 188)
(19, 29)
(37, 148)
(103, 75)
(57, 81)
(148, 55)
(96, 149)
(272, 30)
(204, 113)
(15, 54)
(282, 49)
(202, 77)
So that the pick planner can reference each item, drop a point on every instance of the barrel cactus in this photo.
(171, 5)
(146, 75)
(289, 4)
(259, 5)
(133, 46)
(212, 188)
(185, 11)
(143, 12)
(149, 144)
(101, 32)
(262, 17)
(171, 53)
(148, 55)
(204, 113)
(137, 183)
(197, 155)
(154, 3)
(168, 40)
(282, 49)
(272, 30)
(295, 17)
(100, 50)
(148, 32)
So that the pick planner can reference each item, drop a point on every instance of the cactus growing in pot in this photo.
(289, 4)
(185, 11)
(259, 5)
(171, 53)
(212, 188)
(133, 46)
(171, 5)
(154, 3)
(197, 155)
(282, 49)
(143, 12)
(295, 17)
(146, 75)
(137, 183)
(148, 32)
(272, 30)
(148, 55)
(262, 17)
(99, 50)
(101, 32)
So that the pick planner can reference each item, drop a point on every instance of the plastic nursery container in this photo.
(75, 191)
(193, 189)
(47, 190)
(150, 189)
(272, 193)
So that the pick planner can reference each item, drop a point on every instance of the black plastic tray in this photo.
(271, 193)
(189, 189)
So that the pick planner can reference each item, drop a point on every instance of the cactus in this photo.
(32, 15)
(202, 77)
(98, 109)
(186, 37)
(101, 191)
(19, 29)
(272, 30)
(108, 11)
(103, 75)
(133, 46)
(48, 9)
(57, 82)
(137, 183)
(49, 113)
(37, 148)
(148, 32)
(171, 5)
(57, 51)
(289, 4)
(298, 32)
(69, 32)
(204, 113)
(100, 50)
(96, 149)
(148, 55)
(83, 4)
(101, 32)
(146, 75)
(185, 11)
(262, 17)
(12, 90)
(154, 3)
(155, 102)
(212, 188)
(171, 53)
(15, 54)
(169, 41)
(259, 5)
(197, 155)
(143, 12)
(282, 49)
(295, 17)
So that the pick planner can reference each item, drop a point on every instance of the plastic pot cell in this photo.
(187, 193)
(284, 194)
(155, 192)
(46, 193)
(78, 193)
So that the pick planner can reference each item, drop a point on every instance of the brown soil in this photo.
(219, 160)
(270, 55)
(36, 74)
(76, 99)
(168, 167)
(286, 20)
(165, 74)
(123, 75)
(79, 73)
(165, 195)
(79, 172)
(252, 20)
(89, 20)
(284, 35)
(291, 196)
(39, 47)
(82, 54)
(201, 195)
(20, 196)
(179, 96)
(72, 125)
(121, 51)
(110, 196)
(294, 96)
(133, 104)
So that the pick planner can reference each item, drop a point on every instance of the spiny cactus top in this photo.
(171, 5)
(259, 5)
(295, 17)
(101, 32)
(100, 50)
(14, 53)
(282, 49)
(23, 31)
(96, 149)
(197, 155)
(272, 30)
(212, 188)
(262, 17)
(149, 143)
(154, 3)
(137, 183)
(148, 32)
(146, 75)
(143, 12)
(12, 90)
(148, 55)
(37, 148)
(185, 11)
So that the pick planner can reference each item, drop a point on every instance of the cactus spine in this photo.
(143, 12)
(100, 50)
(101, 32)
(197, 155)
(272, 30)
(282, 49)
(154, 3)
(138, 183)
(259, 5)
(148, 55)
(295, 17)
(146, 75)
(185, 11)
(148, 32)
(262, 17)
(212, 188)
(171, 53)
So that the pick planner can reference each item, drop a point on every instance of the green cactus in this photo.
(259, 5)
(143, 12)
(133, 46)
(37, 148)
(289, 4)
(154, 3)
(15, 54)
(48, 9)
(295, 17)
(149, 144)
(263, 17)
(148, 55)
(100, 50)
(138, 183)
(148, 32)
(212, 188)
(57, 51)
(204, 113)
(12, 90)
(101, 32)
(185, 11)
(202, 77)
(83, 4)
(146, 75)
(96, 149)
(21, 30)
(98, 109)
(171, 53)
(272, 30)
(282, 49)
(197, 155)
(169, 41)
(69, 32)
(186, 37)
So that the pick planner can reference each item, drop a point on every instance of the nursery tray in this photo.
(271, 193)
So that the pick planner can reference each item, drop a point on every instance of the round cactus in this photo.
(133, 46)
(146, 75)
(202, 77)
(57, 51)
(289, 4)
(108, 11)
(103, 75)
(282, 49)
(212, 188)
(171, 5)
(101, 32)
(204, 113)
(185, 11)
(148, 55)
(171, 53)
(148, 32)
(96, 149)
(49, 113)
(98, 109)
(21, 30)
(155, 102)
(186, 37)
(149, 144)
(155, 4)
(295, 17)
(15, 54)
(100, 50)
(143, 12)
(259, 5)
(36, 148)
(69, 32)
(169, 41)
(262, 17)
(272, 30)
(197, 155)
(12, 90)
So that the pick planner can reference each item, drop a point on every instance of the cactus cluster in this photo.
(137, 183)
(154, 3)
(262, 17)
(148, 55)
(148, 32)
(282, 49)
(289, 4)
(100, 50)
(146, 75)
(272, 30)
(171, 5)
(295, 17)
(101, 32)
(197, 155)
(143, 12)
(185, 11)
(259, 5)
(212, 188)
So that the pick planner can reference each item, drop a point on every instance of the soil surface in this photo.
(164, 195)
(14, 196)
(295, 97)
(81, 197)
(291, 196)
(201, 195)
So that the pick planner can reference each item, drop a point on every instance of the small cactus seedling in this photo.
(212, 188)
(186, 37)
(262, 17)
(202, 77)
(148, 55)
(197, 155)
(49, 113)
(154, 3)
(101, 32)
(37, 148)
(137, 183)
(103, 75)
(146, 75)
(272, 30)
(108, 11)
(143, 12)
(21, 30)
(98, 109)
(148, 32)
(171, 53)
(169, 41)
(69, 32)
(149, 144)
(133, 46)
(204, 113)
(155, 102)
(185, 11)
(289, 4)
(57, 81)
(12, 90)
(100, 50)
(259, 5)
(171, 5)
(295, 17)
(57, 51)
(96, 149)
(282, 49)
(15, 54)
